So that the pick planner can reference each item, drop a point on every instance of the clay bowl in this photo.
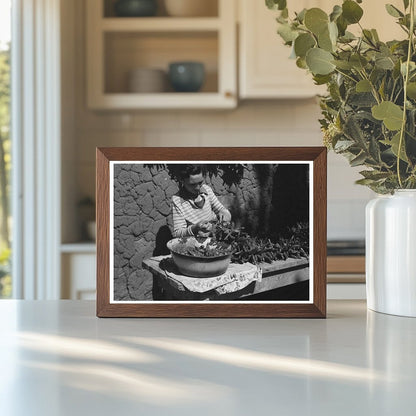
(198, 266)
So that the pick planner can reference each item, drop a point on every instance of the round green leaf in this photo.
(303, 43)
(325, 42)
(336, 12)
(322, 79)
(358, 61)
(342, 25)
(344, 65)
(351, 11)
(333, 32)
(384, 62)
(411, 90)
(301, 15)
(301, 63)
(363, 86)
(316, 20)
(394, 143)
(319, 61)
(287, 33)
(276, 4)
(391, 114)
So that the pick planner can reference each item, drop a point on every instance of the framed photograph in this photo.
(211, 232)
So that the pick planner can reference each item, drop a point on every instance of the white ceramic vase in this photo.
(391, 253)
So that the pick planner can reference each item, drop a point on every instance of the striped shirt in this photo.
(186, 213)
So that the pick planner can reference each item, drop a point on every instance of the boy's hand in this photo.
(202, 229)
(225, 216)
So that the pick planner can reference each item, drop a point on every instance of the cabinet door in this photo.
(78, 276)
(266, 71)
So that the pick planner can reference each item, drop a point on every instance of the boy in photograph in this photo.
(195, 208)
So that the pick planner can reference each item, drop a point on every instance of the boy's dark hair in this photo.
(185, 171)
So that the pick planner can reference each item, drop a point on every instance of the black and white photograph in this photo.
(211, 231)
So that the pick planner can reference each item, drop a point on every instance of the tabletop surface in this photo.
(57, 358)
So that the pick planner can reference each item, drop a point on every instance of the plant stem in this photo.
(346, 75)
(406, 79)
(373, 88)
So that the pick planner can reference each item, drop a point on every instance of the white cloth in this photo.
(237, 277)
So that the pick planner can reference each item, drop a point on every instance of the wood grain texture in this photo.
(319, 229)
(103, 231)
(317, 309)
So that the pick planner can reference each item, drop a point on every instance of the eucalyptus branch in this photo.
(346, 75)
(373, 88)
(392, 91)
(406, 79)
(398, 95)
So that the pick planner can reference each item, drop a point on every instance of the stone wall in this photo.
(143, 221)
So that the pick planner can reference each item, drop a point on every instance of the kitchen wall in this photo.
(253, 123)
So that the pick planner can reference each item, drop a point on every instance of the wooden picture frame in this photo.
(125, 225)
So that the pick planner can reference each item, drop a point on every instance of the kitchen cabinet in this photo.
(265, 69)
(118, 45)
(346, 277)
(78, 262)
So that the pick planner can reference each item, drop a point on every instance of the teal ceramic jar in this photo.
(135, 8)
(186, 76)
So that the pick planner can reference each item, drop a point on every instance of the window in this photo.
(5, 145)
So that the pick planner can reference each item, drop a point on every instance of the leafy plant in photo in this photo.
(369, 111)
(294, 243)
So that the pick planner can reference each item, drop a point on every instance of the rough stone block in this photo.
(164, 208)
(171, 190)
(136, 228)
(149, 236)
(119, 261)
(137, 260)
(120, 220)
(123, 230)
(127, 241)
(144, 188)
(158, 196)
(146, 204)
(131, 209)
(161, 180)
(120, 284)
(123, 177)
(140, 285)
(135, 178)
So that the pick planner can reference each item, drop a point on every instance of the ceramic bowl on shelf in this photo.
(135, 8)
(147, 80)
(191, 8)
(186, 76)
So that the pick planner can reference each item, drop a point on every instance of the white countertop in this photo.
(57, 358)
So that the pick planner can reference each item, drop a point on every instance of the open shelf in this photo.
(210, 9)
(160, 24)
(118, 45)
(127, 51)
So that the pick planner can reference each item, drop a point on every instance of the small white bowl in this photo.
(147, 80)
